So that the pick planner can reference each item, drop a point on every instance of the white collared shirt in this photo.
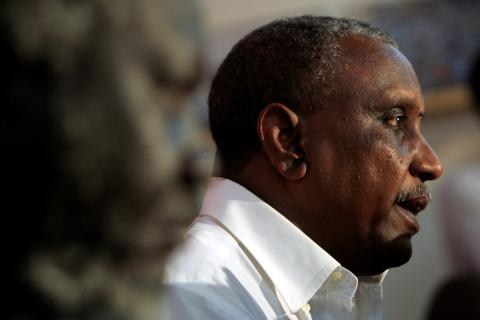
(244, 260)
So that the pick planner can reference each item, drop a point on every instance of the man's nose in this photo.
(425, 164)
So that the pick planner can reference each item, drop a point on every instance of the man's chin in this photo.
(384, 255)
(394, 253)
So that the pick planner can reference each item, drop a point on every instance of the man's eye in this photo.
(396, 121)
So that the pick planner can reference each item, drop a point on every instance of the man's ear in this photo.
(280, 133)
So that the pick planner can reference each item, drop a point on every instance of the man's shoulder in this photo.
(209, 271)
(206, 253)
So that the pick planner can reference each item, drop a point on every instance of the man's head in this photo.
(288, 61)
(327, 113)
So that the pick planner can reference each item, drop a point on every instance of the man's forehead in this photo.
(373, 57)
(371, 68)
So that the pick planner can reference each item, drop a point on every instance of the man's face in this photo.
(365, 157)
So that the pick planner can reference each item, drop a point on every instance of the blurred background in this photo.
(105, 134)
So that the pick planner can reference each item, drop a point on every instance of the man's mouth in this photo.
(415, 204)
(411, 202)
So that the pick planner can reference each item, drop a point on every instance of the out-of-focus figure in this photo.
(458, 297)
(98, 153)
(460, 200)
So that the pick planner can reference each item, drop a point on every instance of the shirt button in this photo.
(337, 276)
(306, 308)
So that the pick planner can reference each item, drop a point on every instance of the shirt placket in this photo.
(334, 301)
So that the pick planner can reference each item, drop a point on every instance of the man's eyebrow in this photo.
(398, 95)
(403, 99)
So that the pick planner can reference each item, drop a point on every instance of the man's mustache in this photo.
(418, 191)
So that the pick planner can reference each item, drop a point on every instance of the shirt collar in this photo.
(296, 265)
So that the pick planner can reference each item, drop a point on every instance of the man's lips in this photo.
(409, 218)
(409, 203)
(414, 199)
(415, 204)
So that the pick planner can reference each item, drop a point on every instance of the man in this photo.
(317, 123)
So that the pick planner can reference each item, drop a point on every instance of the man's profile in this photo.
(317, 124)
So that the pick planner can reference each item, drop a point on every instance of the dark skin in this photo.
(338, 174)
